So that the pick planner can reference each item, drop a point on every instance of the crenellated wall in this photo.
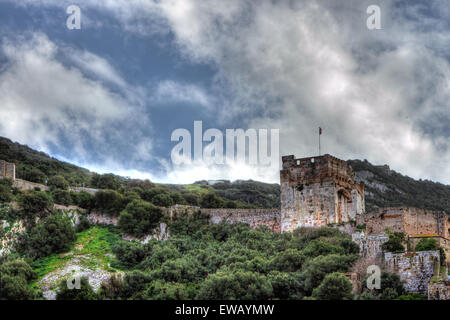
(318, 191)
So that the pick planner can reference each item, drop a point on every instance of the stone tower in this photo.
(7, 170)
(318, 191)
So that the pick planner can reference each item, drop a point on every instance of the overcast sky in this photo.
(108, 96)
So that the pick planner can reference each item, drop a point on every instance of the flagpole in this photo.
(319, 138)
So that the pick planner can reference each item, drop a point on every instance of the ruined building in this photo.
(7, 170)
(318, 191)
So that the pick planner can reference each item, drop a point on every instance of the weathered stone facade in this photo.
(438, 291)
(253, 217)
(318, 191)
(370, 246)
(7, 170)
(415, 269)
(414, 222)
(411, 221)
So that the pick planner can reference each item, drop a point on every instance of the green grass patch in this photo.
(92, 248)
(200, 188)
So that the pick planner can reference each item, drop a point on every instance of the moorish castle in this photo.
(322, 191)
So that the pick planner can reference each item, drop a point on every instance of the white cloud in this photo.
(306, 65)
(381, 95)
(43, 101)
(172, 91)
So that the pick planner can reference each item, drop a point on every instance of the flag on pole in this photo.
(320, 130)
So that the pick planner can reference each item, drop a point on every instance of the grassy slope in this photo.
(92, 251)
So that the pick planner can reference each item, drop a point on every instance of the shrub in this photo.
(84, 200)
(58, 182)
(105, 181)
(335, 286)
(85, 292)
(239, 285)
(15, 277)
(162, 200)
(62, 197)
(139, 218)
(286, 285)
(5, 190)
(35, 202)
(391, 287)
(395, 244)
(212, 200)
(53, 234)
(109, 201)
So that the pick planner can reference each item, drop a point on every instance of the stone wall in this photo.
(438, 291)
(318, 191)
(411, 221)
(442, 242)
(27, 185)
(252, 217)
(415, 270)
(370, 246)
(88, 190)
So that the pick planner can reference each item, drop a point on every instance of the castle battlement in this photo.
(317, 191)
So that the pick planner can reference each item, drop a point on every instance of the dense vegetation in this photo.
(198, 261)
(202, 261)
(398, 190)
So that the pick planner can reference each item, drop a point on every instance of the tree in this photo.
(286, 285)
(84, 199)
(395, 244)
(162, 200)
(58, 182)
(315, 270)
(239, 285)
(85, 292)
(160, 290)
(139, 218)
(212, 200)
(62, 197)
(105, 181)
(109, 201)
(15, 276)
(35, 204)
(290, 260)
(391, 287)
(54, 234)
(335, 286)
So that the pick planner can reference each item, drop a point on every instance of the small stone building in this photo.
(7, 170)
